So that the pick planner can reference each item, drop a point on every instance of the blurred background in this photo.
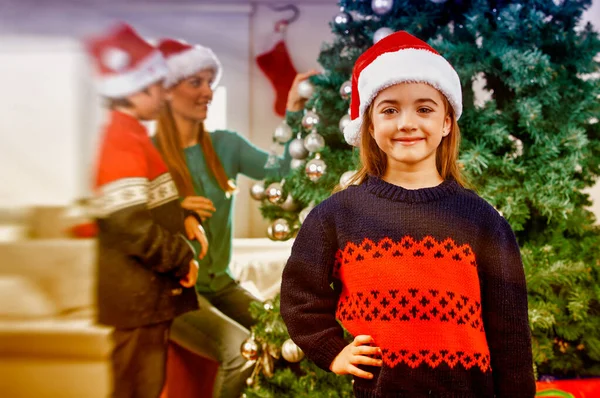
(50, 120)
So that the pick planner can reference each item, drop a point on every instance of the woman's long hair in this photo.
(374, 161)
(170, 147)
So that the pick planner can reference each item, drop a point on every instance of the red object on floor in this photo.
(188, 375)
(585, 388)
(85, 230)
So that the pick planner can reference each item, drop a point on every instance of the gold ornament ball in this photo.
(274, 193)
(291, 352)
(249, 381)
(314, 142)
(279, 230)
(289, 204)
(315, 169)
(297, 163)
(283, 133)
(257, 191)
(250, 349)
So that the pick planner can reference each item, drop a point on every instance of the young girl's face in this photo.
(409, 121)
(191, 96)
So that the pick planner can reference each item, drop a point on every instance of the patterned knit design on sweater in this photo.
(385, 295)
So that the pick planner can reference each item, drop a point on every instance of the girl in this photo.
(204, 166)
(424, 273)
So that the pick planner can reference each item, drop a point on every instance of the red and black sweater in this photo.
(434, 275)
(142, 252)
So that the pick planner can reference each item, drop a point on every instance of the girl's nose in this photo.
(405, 122)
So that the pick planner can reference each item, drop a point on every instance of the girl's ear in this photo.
(447, 125)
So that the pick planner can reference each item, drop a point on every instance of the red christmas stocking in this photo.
(280, 71)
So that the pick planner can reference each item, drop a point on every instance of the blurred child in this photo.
(146, 268)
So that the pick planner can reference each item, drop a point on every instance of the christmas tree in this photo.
(531, 145)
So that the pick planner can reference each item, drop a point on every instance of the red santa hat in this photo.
(125, 62)
(398, 58)
(184, 60)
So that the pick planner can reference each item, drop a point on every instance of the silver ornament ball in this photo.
(381, 33)
(297, 163)
(306, 89)
(344, 121)
(310, 120)
(291, 352)
(346, 177)
(315, 169)
(346, 89)
(279, 230)
(289, 204)
(250, 349)
(342, 19)
(297, 149)
(257, 190)
(274, 193)
(304, 213)
(382, 7)
(283, 133)
(250, 381)
(314, 142)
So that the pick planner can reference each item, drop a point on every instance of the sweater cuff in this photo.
(192, 213)
(327, 351)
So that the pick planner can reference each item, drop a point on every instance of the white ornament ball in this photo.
(381, 7)
(257, 191)
(346, 177)
(381, 33)
(275, 193)
(306, 89)
(297, 149)
(315, 169)
(304, 213)
(297, 163)
(289, 204)
(310, 120)
(314, 142)
(346, 89)
(291, 352)
(249, 349)
(279, 230)
(283, 133)
(344, 121)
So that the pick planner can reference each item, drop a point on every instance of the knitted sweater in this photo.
(434, 275)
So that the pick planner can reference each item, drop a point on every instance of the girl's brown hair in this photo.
(170, 147)
(374, 161)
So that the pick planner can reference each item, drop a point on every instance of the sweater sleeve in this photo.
(308, 302)
(123, 197)
(505, 313)
(253, 159)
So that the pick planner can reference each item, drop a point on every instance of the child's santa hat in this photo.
(125, 62)
(398, 58)
(185, 59)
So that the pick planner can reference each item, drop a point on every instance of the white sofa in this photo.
(49, 346)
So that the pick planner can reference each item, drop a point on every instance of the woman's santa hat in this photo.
(126, 63)
(398, 58)
(184, 60)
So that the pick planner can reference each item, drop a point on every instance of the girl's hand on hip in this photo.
(194, 231)
(294, 101)
(201, 205)
(359, 352)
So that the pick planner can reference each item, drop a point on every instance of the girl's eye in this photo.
(195, 82)
(425, 110)
(389, 111)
